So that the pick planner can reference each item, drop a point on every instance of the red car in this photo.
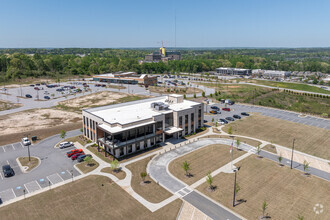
(36, 88)
(75, 156)
(73, 152)
(226, 109)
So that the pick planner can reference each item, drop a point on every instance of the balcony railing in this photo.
(117, 143)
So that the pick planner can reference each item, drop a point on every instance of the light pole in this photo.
(29, 151)
(235, 185)
(292, 151)
(72, 175)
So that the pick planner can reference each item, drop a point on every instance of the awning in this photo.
(172, 130)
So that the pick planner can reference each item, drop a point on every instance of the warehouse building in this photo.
(232, 71)
(126, 128)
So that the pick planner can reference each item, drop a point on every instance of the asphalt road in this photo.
(55, 166)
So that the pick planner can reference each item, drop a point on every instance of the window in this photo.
(129, 148)
(192, 117)
(180, 122)
(121, 151)
(137, 146)
(169, 120)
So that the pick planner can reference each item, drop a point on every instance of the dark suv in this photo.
(237, 116)
(7, 171)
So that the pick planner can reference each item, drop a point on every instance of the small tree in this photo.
(258, 150)
(88, 159)
(237, 188)
(114, 165)
(186, 167)
(194, 95)
(264, 207)
(238, 143)
(63, 134)
(306, 166)
(184, 96)
(230, 130)
(300, 217)
(143, 176)
(216, 124)
(212, 119)
(81, 129)
(280, 158)
(203, 94)
(209, 180)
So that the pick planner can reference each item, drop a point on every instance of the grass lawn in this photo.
(297, 86)
(120, 175)
(270, 148)
(88, 197)
(309, 139)
(100, 154)
(78, 139)
(287, 192)
(201, 132)
(30, 164)
(87, 167)
(242, 139)
(202, 161)
(151, 191)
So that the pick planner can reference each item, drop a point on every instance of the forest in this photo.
(61, 62)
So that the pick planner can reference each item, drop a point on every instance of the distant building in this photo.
(163, 55)
(232, 71)
(276, 74)
(126, 78)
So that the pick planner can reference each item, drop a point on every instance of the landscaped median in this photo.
(288, 193)
(118, 173)
(242, 139)
(27, 164)
(144, 185)
(201, 161)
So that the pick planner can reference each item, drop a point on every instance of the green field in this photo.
(296, 86)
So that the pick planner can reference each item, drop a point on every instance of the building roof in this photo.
(140, 110)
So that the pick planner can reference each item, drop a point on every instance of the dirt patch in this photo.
(25, 121)
(5, 105)
(40, 133)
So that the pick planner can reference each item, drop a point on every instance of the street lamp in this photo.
(235, 171)
(292, 151)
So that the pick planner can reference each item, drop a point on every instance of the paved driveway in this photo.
(55, 167)
(158, 171)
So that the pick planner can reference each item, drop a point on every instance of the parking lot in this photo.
(55, 167)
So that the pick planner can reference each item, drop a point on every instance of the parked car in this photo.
(7, 171)
(26, 141)
(213, 112)
(37, 84)
(82, 157)
(46, 92)
(36, 88)
(46, 97)
(28, 96)
(32, 85)
(65, 144)
(222, 121)
(215, 107)
(230, 119)
(245, 114)
(218, 112)
(231, 102)
(73, 152)
(226, 109)
(75, 156)
(237, 116)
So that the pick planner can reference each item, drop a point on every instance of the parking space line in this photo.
(38, 184)
(26, 188)
(21, 144)
(7, 162)
(49, 180)
(3, 149)
(13, 147)
(1, 176)
(13, 192)
(60, 176)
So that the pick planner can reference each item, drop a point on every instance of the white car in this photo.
(26, 141)
(65, 144)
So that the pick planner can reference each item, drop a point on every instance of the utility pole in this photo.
(235, 171)
(292, 151)
(29, 152)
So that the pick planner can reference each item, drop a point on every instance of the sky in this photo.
(145, 23)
